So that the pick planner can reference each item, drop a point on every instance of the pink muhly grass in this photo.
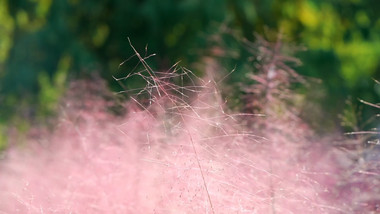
(178, 151)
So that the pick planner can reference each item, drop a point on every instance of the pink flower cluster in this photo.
(193, 159)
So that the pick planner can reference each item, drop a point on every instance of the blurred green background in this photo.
(45, 43)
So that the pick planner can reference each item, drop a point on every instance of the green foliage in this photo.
(35, 36)
(6, 26)
(3, 138)
(52, 90)
(349, 117)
